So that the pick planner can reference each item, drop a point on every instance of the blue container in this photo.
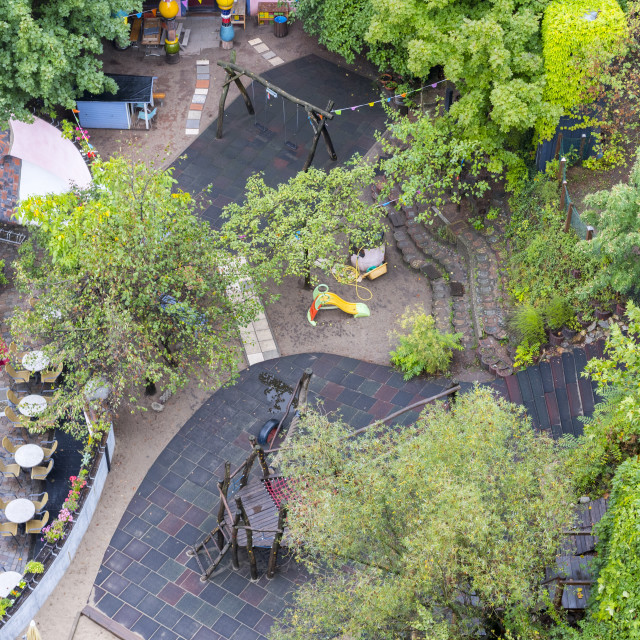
(280, 27)
(226, 33)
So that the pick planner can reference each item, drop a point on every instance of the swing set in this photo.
(316, 116)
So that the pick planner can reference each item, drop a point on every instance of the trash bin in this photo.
(280, 26)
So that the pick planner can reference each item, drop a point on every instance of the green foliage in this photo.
(526, 354)
(99, 266)
(528, 325)
(52, 50)
(615, 214)
(543, 257)
(34, 567)
(617, 598)
(571, 43)
(427, 527)
(3, 278)
(284, 231)
(612, 434)
(424, 349)
(558, 313)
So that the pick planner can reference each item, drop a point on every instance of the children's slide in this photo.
(324, 299)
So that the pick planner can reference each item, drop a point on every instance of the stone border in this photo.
(263, 49)
(16, 624)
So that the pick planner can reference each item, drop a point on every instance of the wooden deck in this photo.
(572, 569)
(262, 513)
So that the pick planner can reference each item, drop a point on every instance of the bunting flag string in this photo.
(338, 112)
(145, 13)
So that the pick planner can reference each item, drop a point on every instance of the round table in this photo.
(32, 405)
(29, 455)
(8, 580)
(35, 361)
(20, 510)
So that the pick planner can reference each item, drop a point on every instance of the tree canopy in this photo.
(50, 51)
(127, 286)
(444, 527)
(309, 220)
(614, 214)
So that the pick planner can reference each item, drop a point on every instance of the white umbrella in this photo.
(32, 632)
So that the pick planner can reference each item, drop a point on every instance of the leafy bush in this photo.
(612, 434)
(558, 313)
(528, 325)
(424, 349)
(617, 599)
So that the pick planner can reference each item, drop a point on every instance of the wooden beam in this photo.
(232, 67)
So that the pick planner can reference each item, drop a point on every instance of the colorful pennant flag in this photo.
(153, 11)
(138, 15)
(371, 104)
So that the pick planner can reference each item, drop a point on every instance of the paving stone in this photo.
(268, 55)
(261, 47)
(199, 99)
(193, 115)
(193, 125)
(201, 91)
(276, 61)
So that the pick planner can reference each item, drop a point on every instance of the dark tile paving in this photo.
(147, 582)
(247, 148)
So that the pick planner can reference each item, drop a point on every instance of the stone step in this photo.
(454, 266)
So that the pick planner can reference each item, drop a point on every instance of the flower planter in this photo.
(603, 313)
(621, 309)
(555, 339)
(567, 333)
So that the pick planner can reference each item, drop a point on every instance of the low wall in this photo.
(49, 581)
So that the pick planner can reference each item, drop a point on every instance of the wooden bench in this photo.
(185, 39)
(267, 11)
(136, 27)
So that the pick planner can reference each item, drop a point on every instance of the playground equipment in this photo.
(256, 517)
(324, 299)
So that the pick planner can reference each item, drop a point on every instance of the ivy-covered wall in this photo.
(576, 34)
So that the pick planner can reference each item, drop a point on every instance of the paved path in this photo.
(261, 143)
(146, 582)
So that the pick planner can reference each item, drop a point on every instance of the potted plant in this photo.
(557, 314)
(31, 571)
(4, 352)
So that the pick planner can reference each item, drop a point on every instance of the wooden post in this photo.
(563, 195)
(273, 556)
(567, 222)
(558, 146)
(253, 566)
(318, 125)
(223, 98)
(234, 542)
(561, 166)
(582, 143)
(223, 487)
(590, 231)
(244, 478)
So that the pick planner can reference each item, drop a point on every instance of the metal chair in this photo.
(40, 502)
(17, 376)
(9, 529)
(13, 397)
(10, 470)
(49, 452)
(10, 446)
(35, 526)
(41, 473)
(147, 117)
(15, 354)
(4, 503)
(49, 376)
(16, 418)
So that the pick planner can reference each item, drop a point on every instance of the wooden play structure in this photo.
(316, 116)
(252, 508)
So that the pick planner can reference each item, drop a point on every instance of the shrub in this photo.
(558, 313)
(528, 325)
(424, 349)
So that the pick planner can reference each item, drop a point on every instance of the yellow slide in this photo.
(324, 299)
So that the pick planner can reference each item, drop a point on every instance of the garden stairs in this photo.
(554, 393)
(465, 280)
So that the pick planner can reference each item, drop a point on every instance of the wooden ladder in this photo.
(211, 550)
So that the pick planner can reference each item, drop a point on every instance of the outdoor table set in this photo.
(32, 405)
(35, 361)
(8, 581)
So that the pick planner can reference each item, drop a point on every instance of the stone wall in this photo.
(9, 178)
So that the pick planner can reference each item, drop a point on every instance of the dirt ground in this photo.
(142, 437)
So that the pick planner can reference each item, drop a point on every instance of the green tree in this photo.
(614, 214)
(50, 51)
(128, 286)
(444, 526)
(612, 433)
(309, 220)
